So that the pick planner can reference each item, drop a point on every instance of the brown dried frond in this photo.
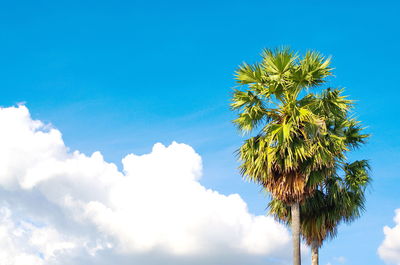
(288, 187)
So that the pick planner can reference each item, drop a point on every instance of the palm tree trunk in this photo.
(314, 253)
(295, 209)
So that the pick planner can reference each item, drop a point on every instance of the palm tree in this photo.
(301, 134)
(335, 201)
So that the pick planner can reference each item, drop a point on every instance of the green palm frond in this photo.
(357, 174)
(353, 134)
(315, 68)
(278, 62)
(252, 110)
(250, 74)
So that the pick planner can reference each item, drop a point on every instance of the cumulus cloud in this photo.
(64, 207)
(389, 250)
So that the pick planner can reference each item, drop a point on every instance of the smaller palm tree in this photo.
(337, 200)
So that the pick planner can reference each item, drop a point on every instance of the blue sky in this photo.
(119, 76)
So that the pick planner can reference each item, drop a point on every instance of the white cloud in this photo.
(65, 207)
(389, 250)
(24, 243)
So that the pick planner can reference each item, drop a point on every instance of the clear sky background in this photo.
(120, 76)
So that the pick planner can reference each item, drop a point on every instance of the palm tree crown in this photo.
(301, 134)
